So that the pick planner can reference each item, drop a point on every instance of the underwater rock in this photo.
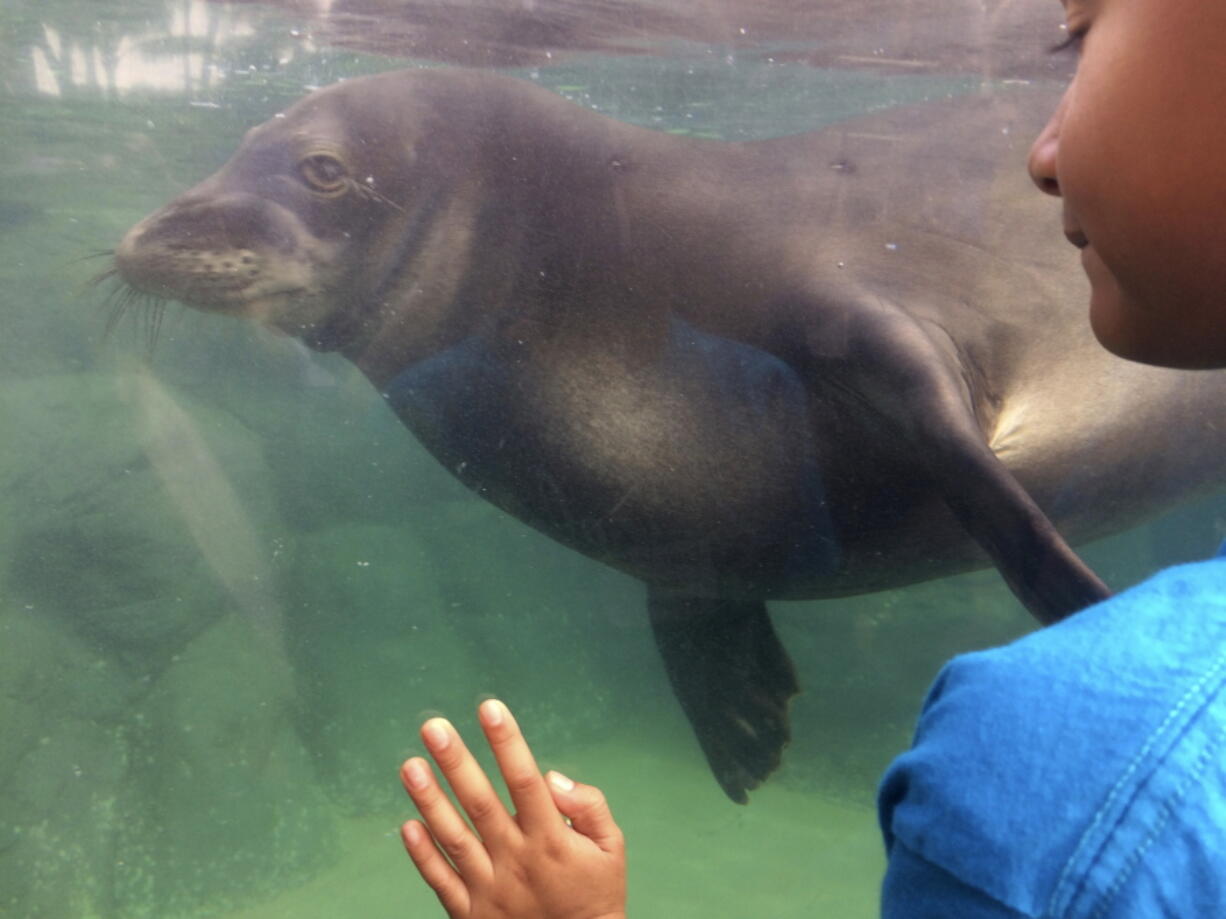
(191, 788)
(149, 758)
(375, 646)
(338, 451)
(137, 549)
(61, 764)
(221, 800)
(17, 215)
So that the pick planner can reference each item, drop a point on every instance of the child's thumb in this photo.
(587, 810)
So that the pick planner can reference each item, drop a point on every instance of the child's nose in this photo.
(1042, 161)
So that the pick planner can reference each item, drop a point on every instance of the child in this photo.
(1080, 771)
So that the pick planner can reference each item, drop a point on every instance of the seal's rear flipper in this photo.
(733, 679)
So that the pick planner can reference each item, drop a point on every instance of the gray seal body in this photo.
(806, 367)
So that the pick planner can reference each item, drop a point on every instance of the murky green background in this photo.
(231, 584)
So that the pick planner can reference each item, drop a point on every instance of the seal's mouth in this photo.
(146, 305)
(225, 253)
(232, 254)
(205, 277)
(208, 273)
(191, 281)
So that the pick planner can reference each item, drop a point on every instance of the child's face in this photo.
(1137, 150)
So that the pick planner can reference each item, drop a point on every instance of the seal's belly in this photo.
(696, 469)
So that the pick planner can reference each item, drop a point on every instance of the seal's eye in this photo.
(324, 173)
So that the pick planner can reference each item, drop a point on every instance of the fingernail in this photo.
(491, 710)
(561, 782)
(415, 775)
(412, 833)
(437, 735)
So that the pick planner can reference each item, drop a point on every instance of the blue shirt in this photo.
(1077, 772)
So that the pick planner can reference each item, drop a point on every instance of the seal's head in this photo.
(330, 215)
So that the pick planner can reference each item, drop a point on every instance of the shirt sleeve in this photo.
(1060, 774)
(914, 888)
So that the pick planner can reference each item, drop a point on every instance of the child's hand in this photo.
(528, 866)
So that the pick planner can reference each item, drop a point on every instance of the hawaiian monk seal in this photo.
(795, 368)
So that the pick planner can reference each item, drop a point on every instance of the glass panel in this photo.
(234, 583)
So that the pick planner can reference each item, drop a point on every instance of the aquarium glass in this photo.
(233, 584)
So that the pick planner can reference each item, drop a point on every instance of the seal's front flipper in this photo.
(913, 375)
(1035, 561)
(734, 680)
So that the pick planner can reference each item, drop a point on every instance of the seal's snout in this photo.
(219, 222)
(213, 251)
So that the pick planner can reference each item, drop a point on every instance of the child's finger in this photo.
(469, 782)
(435, 870)
(534, 807)
(448, 828)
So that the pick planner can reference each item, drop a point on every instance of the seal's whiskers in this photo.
(121, 298)
(369, 194)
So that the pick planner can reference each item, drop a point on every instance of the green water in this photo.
(231, 584)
